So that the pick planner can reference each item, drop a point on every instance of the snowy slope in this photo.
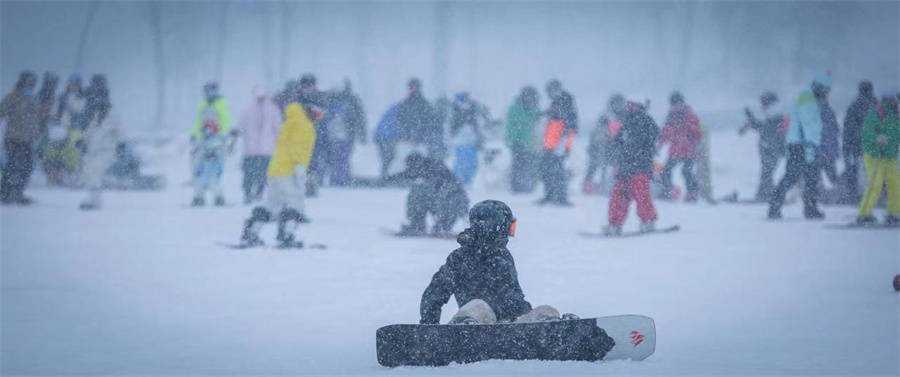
(142, 288)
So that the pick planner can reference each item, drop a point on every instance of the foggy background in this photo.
(721, 54)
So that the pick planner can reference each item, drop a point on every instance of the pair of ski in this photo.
(296, 246)
(591, 339)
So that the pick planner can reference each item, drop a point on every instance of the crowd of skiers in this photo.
(75, 136)
(811, 139)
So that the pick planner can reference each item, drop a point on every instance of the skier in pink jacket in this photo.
(259, 126)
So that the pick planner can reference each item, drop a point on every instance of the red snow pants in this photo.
(636, 187)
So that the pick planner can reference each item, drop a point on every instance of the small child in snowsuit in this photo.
(209, 162)
(286, 181)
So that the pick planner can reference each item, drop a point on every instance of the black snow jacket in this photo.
(563, 108)
(635, 144)
(418, 121)
(853, 122)
(479, 269)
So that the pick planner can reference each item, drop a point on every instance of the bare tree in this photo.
(285, 39)
(156, 29)
(85, 32)
(222, 30)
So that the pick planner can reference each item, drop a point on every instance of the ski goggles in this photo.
(512, 228)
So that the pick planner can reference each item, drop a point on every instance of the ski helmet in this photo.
(492, 217)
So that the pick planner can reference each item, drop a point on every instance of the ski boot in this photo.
(866, 220)
(648, 226)
(250, 235)
(814, 214)
(88, 206)
(198, 202)
(690, 198)
(220, 201)
(612, 230)
(774, 214)
(288, 220)
(411, 230)
(24, 201)
(892, 220)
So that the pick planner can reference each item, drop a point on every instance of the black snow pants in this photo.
(797, 167)
(19, 165)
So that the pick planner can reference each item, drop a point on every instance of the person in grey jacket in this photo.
(20, 110)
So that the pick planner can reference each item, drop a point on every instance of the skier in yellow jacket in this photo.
(286, 181)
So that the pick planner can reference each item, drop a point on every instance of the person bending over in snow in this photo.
(436, 190)
(286, 180)
(482, 275)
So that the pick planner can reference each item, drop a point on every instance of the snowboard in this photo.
(237, 246)
(442, 236)
(669, 229)
(606, 338)
(854, 225)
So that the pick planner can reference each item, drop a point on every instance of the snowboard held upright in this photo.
(619, 337)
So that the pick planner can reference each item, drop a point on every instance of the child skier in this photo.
(482, 275)
(209, 137)
(209, 161)
(633, 148)
(286, 181)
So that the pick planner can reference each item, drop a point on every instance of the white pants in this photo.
(480, 312)
(286, 192)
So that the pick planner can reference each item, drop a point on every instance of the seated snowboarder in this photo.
(435, 190)
(482, 275)
(286, 181)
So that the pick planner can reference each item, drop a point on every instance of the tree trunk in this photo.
(222, 30)
(85, 31)
(156, 29)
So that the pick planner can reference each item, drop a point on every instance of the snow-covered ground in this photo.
(142, 287)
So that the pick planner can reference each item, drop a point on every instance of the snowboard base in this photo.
(669, 229)
(607, 338)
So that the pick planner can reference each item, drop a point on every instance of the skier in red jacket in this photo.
(682, 132)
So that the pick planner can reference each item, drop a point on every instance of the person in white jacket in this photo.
(101, 137)
(259, 125)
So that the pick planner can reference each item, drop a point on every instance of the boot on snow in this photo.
(892, 220)
(648, 226)
(612, 230)
(411, 230)
(814, 214)
(866, 220)
(220, 201)
(198, 202)
(288, 221)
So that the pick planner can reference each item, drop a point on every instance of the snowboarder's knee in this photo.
(539, 314)
(475, 311)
